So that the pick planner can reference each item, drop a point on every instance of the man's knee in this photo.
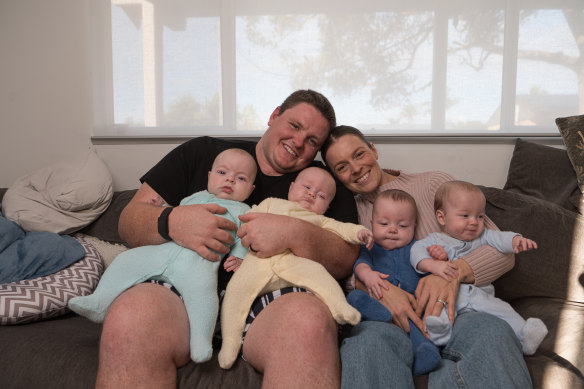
(123, 326)
(301, 316)
(139, 321)
(313, 320)
(296, 322)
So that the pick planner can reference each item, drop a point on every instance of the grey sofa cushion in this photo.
(553, 270)
(558, 362)
(63, 353)
(106, 226)
(546, 283)
(543, 172)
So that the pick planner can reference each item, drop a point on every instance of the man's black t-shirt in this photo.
(184, 171)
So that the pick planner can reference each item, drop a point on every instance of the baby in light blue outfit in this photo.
(460, 211)
(230, 182)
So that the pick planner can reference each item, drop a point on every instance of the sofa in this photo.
(541, 200)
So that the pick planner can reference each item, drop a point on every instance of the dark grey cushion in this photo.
(553, 270)
(544, 172)
(106, 226)
(63, 353)
(546, 283)
(59, 353)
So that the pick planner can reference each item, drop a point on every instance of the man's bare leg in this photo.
(145, 338)
(293, 342)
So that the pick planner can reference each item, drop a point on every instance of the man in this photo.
(146, 335)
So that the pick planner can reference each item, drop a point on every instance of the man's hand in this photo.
(198, 228)
(270, 234)
(266, 233)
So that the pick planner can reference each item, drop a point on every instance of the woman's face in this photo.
(354, 163)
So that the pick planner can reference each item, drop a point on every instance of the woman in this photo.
(483, 352)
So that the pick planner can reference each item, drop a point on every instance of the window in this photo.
(421, 67)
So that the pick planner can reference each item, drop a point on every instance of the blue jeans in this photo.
(483, 352)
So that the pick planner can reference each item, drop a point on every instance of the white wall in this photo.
(46, 107)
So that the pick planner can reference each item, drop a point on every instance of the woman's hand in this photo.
(434, 293)
(400, 303)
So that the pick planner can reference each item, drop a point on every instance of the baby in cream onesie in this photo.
(308, 198)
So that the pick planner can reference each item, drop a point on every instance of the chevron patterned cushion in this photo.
(47, 297)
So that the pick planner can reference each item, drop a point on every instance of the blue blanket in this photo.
(26, 255)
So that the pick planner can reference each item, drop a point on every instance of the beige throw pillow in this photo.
(61, 198)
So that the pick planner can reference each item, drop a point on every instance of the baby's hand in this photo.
(437, 252)
(232, 263)
(523, 244)
(366, 237)
(445, 269)
(374, 281)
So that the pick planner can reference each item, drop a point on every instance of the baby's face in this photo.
(393, 224)
(232, 176)
(463, 216)
(313, 189)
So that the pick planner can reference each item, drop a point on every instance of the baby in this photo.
(308, 198)
(460, 211)
(230, 182)
(393, 224)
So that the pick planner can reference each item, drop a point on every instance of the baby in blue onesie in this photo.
(393, 224)
(460, 211)
(230, 182)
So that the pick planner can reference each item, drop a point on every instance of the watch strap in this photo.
(163, 223)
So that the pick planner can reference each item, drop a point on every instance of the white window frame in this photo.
(104, 127)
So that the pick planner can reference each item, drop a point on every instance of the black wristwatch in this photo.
(163, 223)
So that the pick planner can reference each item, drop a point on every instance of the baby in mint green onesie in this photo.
(230, 182)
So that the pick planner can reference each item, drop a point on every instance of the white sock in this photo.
(533, 332)
(439, 330)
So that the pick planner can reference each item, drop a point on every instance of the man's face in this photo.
(292, 139)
